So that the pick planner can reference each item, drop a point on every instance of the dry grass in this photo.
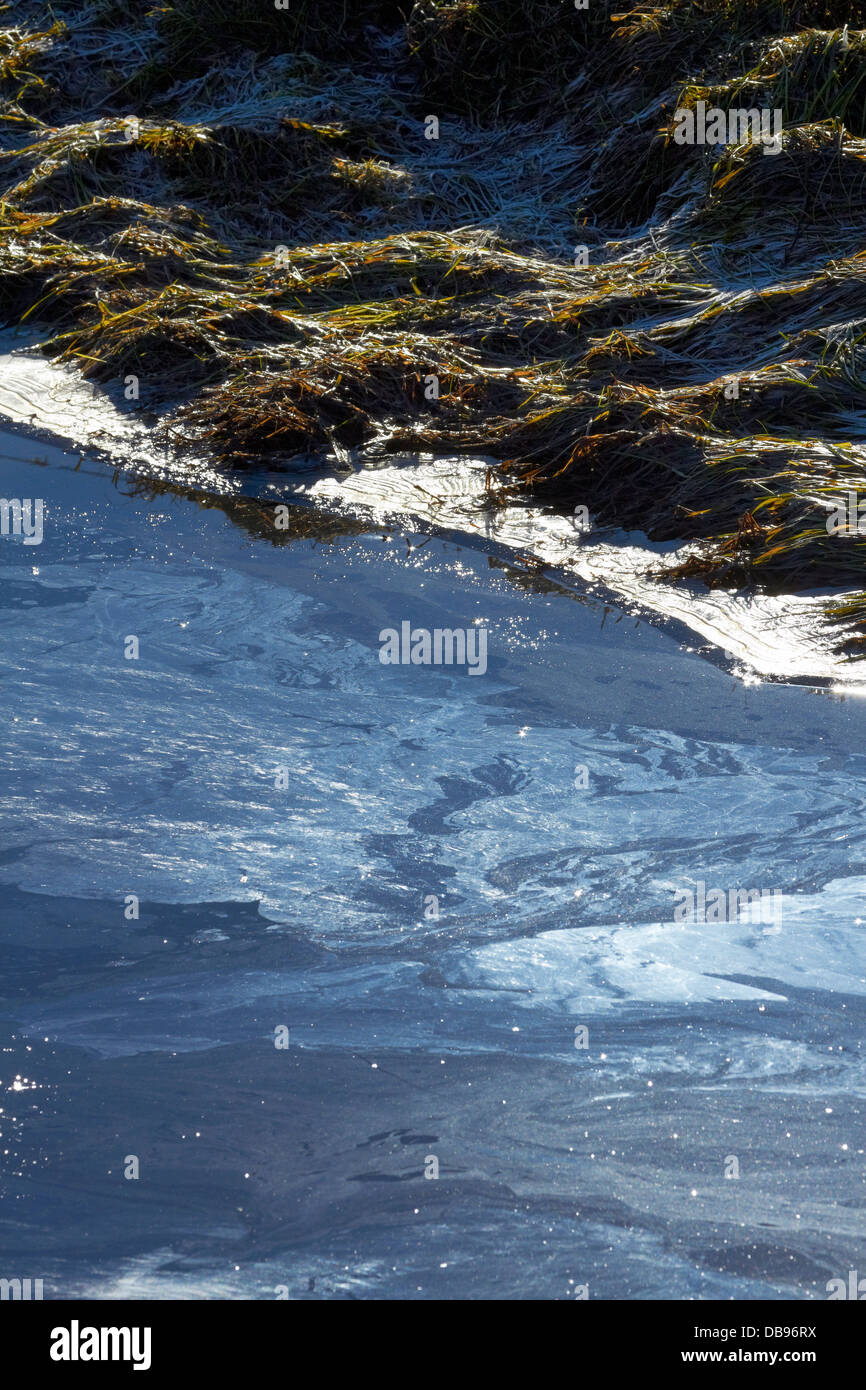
(239, 205)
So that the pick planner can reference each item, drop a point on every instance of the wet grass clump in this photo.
(470, 226)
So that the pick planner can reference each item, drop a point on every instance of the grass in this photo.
(239, 205)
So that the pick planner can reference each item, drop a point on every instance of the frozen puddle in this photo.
(457, 903)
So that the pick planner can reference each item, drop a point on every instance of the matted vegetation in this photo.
(239, 205)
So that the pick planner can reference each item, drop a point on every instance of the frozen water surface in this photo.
(460, 875)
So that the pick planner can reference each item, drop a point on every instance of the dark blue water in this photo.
(454, 874)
